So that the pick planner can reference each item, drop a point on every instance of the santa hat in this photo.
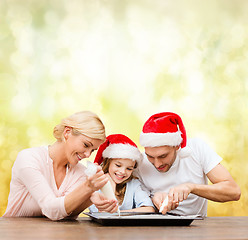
(118, 146)
(165, 129)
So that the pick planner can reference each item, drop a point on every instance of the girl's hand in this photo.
(103, 204)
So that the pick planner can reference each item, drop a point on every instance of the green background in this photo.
(125, 60)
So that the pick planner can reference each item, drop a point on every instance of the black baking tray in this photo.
(141, 219)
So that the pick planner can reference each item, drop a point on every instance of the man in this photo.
(173, 167)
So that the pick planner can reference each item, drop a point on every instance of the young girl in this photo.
(119, 156)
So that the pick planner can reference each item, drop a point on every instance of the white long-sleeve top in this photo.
(33, 190)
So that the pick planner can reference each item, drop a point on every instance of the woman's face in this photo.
(79, 146)
(121, 169)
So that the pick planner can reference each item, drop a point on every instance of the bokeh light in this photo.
(125, 60)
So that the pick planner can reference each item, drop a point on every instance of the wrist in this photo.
(192, 187)
(88, 188)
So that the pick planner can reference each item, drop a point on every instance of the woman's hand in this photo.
(98, 180)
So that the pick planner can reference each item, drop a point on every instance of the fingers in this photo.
(112, 208)
(157, 203)
(185, 195)
(97, 180)
(165, 210)
(109, 206)
(103, 204)
(173, 200)
(180, 196)
(175, 196)
(170, 200)
(169, 207)
(97, 183)
(99, 200)
(174, 205)
(158, 199)
(162, 203)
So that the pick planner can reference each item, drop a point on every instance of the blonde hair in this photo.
(121, 187)
(85, 122)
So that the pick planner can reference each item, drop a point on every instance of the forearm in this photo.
(79, 199)
(81, 208)
(218, 192)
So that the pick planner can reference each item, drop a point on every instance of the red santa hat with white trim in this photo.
(117, 146)
(165, 129)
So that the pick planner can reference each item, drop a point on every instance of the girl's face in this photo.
(79, 146)
(120, 169)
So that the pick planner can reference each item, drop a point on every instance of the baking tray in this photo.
(141, 219)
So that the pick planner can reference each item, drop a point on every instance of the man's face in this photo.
(162, 157)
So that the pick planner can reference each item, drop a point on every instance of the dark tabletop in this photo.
(84, 228)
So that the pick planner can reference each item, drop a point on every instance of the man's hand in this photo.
(158, 199)
(175, 196)
(179, 193)
(103, 204)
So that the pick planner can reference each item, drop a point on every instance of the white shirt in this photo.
(192, 169)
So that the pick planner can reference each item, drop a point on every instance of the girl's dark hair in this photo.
(120, 188)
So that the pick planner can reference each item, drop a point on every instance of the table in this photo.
(84, 228)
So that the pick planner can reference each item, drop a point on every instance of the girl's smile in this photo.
(120, 169)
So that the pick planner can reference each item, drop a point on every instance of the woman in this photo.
(48, 181)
